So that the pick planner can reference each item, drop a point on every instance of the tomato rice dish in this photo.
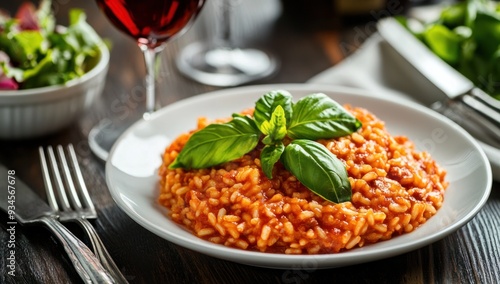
(395, 189)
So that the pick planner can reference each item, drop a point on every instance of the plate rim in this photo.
(289, 261)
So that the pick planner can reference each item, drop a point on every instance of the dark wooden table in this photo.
(470, 255)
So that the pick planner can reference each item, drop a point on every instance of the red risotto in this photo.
(395, 189)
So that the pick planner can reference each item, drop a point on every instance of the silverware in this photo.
(464, 103)
(29, 209)
(78, 207)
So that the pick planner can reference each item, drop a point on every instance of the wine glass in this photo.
(151, 23)
(220, 62)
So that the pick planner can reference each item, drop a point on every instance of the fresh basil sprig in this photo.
(218, 143)
(287, 131)
(317, 169)
(319, 117)
(265, 106)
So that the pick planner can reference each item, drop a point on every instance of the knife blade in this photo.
(27, 207)
(466, 104)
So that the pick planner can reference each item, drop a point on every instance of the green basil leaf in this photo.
(218, 143)
(317, 169)
(319, 117)
(269, 156)
(454, 15)
(265, 106)
(443, 42)
(486, 32)
(275, 128)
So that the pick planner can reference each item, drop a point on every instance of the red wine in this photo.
(151, 22)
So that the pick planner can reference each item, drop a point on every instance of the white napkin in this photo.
(378, 68)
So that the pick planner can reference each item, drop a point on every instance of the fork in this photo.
(79, 206)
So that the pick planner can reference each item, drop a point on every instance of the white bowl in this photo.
(35, 112)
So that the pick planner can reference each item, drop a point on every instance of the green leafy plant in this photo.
(288, 131)
(466, 36)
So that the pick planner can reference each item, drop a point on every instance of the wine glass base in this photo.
(103, 136)
(225, 67)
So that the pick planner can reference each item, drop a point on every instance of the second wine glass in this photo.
(220, 62)
(151, 23)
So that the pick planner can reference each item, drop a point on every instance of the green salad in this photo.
(35, 52)
(466, 36)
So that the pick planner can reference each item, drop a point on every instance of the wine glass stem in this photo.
(223, 38)
(151, 57)
(226, 40)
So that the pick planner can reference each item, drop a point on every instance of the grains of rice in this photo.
(394, 190)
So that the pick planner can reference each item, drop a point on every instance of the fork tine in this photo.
(71, 191)
(81, 182)
(63, 198)
(51, 197)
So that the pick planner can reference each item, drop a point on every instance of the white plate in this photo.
(131, 171)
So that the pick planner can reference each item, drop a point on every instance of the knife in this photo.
(24, 206)
(466, 104)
